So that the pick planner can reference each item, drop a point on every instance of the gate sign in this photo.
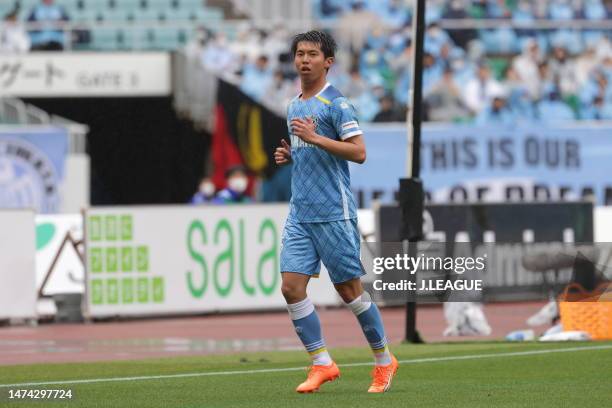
(32, 168)
(62, 74)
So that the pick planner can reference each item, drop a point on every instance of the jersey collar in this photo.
(327, 85)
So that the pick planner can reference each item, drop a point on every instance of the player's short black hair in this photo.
(325, 40)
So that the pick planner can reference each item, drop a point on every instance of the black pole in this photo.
(411, 189)
(417, 88)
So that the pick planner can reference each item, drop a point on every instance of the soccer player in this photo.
(322, 221)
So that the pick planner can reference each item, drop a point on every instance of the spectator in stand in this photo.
(247, 42)
(457, 10)
(395, 14)
(205, 193)
(48, 16)
(547, 81)
(518, 97)
(401, 62)
(13, 37)
(498, 9)
(586, 63)
(237, 184)
(388, 111)
(497, 112)
(435, 39)
(480, 90)
(356, 86)
(596, 97)
(279, 93)
(522, 16)
(443, 102)
(329, 8)
(432, 71)
(560, 10)
(526, 67)
(594, 10)
(218, 56)
(256, 78)
(563, 71)
(552, 108)
(354, 26)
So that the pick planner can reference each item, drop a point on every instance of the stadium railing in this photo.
(14, 112)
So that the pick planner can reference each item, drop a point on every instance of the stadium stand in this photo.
(540, 67)
(548, 60)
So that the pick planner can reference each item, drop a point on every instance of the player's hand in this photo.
(305, 130)
(282, 155)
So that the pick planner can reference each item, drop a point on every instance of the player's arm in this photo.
(351, 148)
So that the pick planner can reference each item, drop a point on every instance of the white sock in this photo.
(321, 358)
(360, 304)
(382, 358)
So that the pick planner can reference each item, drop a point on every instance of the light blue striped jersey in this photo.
(320, 184)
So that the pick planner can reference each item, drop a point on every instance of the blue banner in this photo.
(32, 167)
(462, 163)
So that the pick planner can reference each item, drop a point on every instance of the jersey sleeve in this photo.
(344, 118)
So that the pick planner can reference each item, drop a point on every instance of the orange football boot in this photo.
(317, 376)
(383, 375)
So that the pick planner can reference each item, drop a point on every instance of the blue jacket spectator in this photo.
(48, 15)
(560, 10)
(552, 109)
(205, 193)
(256, 79)
(497, 112)
(594, 10)
(236, 190)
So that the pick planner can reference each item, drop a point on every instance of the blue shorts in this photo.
(336, 243)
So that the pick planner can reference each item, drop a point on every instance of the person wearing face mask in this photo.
(205, 193)
(235, 192)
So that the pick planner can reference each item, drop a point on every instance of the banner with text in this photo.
(491, 164)
(178, 259)
(85, 74)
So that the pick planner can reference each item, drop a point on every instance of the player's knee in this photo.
(293, 292)
(348, 293)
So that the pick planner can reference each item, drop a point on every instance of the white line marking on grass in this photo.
(280, 370)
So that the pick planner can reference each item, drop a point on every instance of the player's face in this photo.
(310, 62)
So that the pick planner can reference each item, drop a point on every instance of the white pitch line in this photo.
(280, 370)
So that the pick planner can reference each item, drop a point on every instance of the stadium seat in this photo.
(5, 8)
(191, 4)
(208, 14)
(159, 4)
(166, 38)
(115, 15)
(137, 38)
(145, 15)
(127, 5)
(69, 5)
(84, 16)
(95, 5)
(178, 14)
(104, 38)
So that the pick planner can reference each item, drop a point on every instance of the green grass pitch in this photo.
(434, 375)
